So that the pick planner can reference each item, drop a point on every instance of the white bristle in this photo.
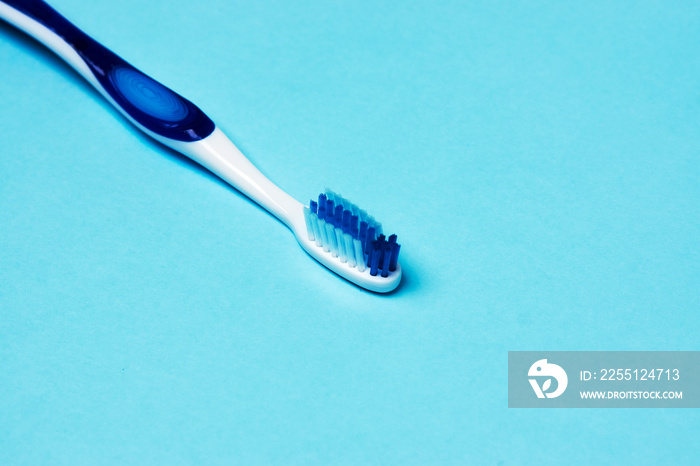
(341, 245)
(316, 230)
(309, 227)
(332, 243)
(324, 237)
(349, 252)
(359, 255)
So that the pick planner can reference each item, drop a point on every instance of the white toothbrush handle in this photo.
(153, 108)
(220, 155)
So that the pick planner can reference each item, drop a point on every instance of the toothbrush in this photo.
(331, 229)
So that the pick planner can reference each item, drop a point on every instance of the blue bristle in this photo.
(353, 226)
(380, 243)
(394, 256)
(363, 232)
(346, 221)
(386, 259)
(332, 195)
(321, 211)
(338, 217)
(322, 200)
(363, 216)
(368, 240)
(376, 253)
(313, 207)
(330, 205)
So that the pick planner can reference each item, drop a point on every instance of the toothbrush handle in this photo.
(141, 98)
(156, 110)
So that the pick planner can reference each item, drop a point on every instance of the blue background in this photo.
(539, 162)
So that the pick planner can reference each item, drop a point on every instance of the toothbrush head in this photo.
(351, 243)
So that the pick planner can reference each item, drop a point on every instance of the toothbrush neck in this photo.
(220, 155)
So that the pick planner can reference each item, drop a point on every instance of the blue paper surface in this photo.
(538, 160)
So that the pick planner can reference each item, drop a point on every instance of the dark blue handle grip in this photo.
(148, 102)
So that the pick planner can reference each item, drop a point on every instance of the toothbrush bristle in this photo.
(348, 233)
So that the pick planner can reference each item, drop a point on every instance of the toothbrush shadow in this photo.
(408, 284)
(47, 57)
